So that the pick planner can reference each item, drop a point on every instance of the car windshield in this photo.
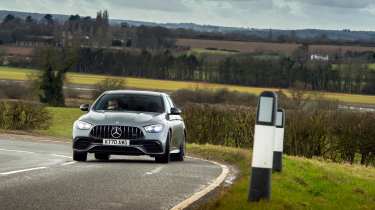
(130, 102)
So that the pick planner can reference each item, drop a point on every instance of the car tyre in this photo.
(101, 156)
(181, 155)
(164, 158)
(79, 156)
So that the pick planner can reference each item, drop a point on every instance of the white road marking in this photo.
(29, 152)
(37, 168)
(230, 179)
(54, 141)
(64, 156)
(11, 150)
(154, 171)
(68, 163)
(213, 184)
(23, 170)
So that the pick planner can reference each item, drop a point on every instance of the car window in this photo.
(130, 102)
(170, 102)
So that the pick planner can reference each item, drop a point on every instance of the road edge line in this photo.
(198, 195)
(22, 170)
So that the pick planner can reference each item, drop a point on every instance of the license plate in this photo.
(120, 142)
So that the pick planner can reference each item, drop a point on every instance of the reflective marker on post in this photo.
(264, 138)
(279, 141)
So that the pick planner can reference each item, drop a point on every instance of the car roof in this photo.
(135, 92)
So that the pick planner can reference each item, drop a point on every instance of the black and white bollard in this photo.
(264, 138)
(279, 141)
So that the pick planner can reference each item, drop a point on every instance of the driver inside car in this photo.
(112, 105)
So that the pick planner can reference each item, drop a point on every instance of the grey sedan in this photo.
(124, 122)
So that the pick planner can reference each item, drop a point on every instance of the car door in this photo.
(170, 120)
(176, 125)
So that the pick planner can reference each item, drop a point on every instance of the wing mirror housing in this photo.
(175, 111)
(84, 107)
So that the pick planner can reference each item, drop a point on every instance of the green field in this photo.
(304, 183)
(202, 51)
(7, 73)
(372, 66)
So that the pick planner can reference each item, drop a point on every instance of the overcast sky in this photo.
(281, 14)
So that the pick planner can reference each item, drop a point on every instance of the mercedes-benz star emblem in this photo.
(116, 132)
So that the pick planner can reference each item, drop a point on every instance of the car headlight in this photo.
(83, 125)
(154, 128)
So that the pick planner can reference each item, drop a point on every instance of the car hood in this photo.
(121, 118)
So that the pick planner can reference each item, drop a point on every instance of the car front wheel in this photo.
(164, 158)
(181, 155)
(79, 156)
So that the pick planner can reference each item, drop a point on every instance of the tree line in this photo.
(79, 31)
(348, 76)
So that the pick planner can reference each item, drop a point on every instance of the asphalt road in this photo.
(40, 174)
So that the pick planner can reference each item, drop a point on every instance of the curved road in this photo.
(40, 174)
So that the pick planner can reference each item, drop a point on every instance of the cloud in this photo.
(286, 14)
(346, 4)
(160, 5)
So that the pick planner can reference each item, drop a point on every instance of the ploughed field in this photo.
(265, 47)
(8, 73)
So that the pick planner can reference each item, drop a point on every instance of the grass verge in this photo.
(62, 122)
(7, 73)
(304, 183)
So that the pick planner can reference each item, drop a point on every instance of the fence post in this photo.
(264, 138)
(279, 141)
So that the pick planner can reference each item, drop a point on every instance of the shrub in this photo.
(221, 96)
(219, 124)
(310, 131)
(21, 115)
(14, 90)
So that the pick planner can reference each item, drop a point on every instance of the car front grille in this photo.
(106, 131)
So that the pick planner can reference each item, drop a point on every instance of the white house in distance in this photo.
(319, 57)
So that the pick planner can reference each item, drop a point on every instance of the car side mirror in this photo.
(85, 107)
(175, 111)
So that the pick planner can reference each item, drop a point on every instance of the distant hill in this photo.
(275, 34)
(36, 16)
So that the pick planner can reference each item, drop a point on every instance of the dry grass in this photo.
(243, 47)
(266, 47)
(17, 51)
(337, 48)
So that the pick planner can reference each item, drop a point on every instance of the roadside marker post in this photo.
(279, 141)
(264, 143)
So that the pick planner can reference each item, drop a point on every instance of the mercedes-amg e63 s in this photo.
(125, 122)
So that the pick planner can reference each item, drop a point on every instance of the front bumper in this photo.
(136, 147)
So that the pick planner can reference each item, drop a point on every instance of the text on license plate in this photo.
(122, 142)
